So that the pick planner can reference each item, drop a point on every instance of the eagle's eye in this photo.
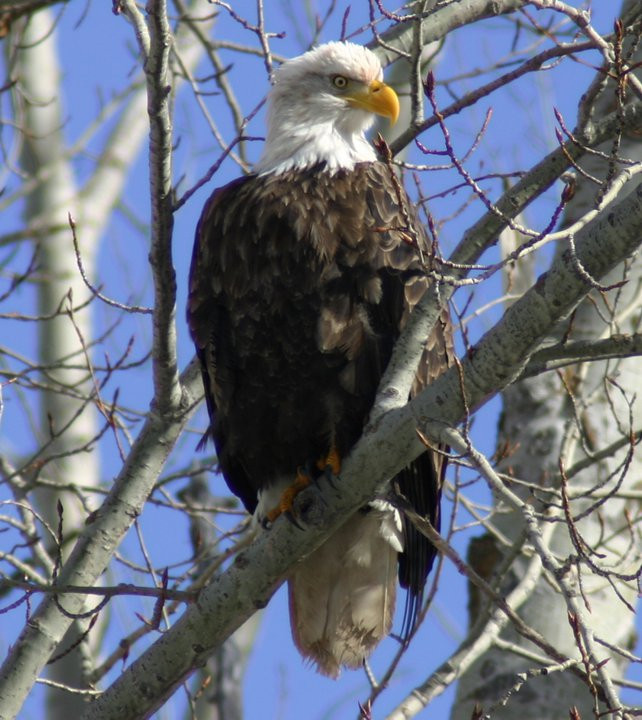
(339, 82)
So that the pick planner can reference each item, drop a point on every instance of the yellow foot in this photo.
(287, 499)
(331, 461)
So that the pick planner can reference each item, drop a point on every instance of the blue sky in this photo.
(98, 57)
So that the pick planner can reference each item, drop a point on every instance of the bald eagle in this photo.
(302, 276)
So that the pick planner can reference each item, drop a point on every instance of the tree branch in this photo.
(558, 356)
(159, 92)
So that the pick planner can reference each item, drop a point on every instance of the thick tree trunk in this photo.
(565, 417)
(68, 417)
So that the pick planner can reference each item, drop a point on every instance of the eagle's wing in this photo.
(211, 323)
(421, 481)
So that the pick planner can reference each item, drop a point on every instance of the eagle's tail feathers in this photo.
(342, 597)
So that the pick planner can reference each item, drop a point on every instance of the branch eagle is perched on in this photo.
(302, 276)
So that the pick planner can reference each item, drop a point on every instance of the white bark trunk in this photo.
(60, 288)
(541, 424)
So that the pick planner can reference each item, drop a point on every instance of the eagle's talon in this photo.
(292, 518)
(330, 467)
(322, 498)
(286, 503)
(331, 463)
(330, 477)
(320, 481)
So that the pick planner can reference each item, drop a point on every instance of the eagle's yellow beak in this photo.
(377, 98)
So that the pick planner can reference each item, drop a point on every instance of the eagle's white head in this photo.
(320, 106)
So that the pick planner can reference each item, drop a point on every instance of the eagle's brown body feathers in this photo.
(300, 284)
